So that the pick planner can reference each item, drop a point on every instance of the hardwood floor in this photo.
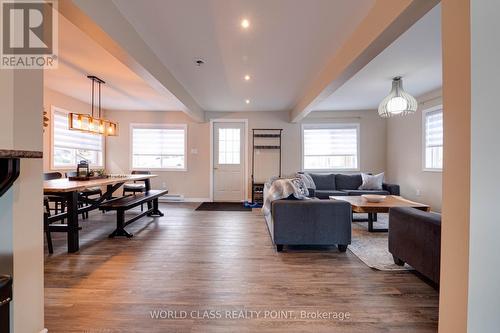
(222, 261)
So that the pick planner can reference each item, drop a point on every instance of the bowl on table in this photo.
(374, 197)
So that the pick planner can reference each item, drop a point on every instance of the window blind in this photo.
(65, 138)
(158, 147)
(330, 148)
(434, 129)
(434, 140)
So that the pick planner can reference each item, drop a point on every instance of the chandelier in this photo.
(398, 102)
(93, 123)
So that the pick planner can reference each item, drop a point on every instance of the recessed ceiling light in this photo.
(247, 101)
(247, 77)
(245, 24)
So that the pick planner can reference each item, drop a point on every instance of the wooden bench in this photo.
(120, 205)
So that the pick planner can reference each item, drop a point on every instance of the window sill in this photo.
(432, 170)
(160, 169)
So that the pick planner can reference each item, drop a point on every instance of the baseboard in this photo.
(44, 331)
(197, 200)
(185, 200)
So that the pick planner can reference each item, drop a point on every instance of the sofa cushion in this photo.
(348, 182)
(325, 194)
(361, 192)
(323, 181)
(371, 182)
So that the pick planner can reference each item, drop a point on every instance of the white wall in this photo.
(195, 182)
(484, 246)
(404, 156)
(21, 229)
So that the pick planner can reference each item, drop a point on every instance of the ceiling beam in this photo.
(104, 23)
(385, 22)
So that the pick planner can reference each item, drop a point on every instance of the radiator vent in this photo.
(171, 198)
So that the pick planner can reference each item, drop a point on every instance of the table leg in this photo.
(147, 184)
(73, 228)
(155, 212)
(370, 224)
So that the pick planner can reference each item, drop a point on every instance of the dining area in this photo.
(69, 197)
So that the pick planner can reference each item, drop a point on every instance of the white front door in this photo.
(229, 161)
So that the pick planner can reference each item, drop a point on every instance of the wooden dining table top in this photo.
(66, 185)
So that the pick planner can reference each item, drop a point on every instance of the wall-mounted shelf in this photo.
(10, 166)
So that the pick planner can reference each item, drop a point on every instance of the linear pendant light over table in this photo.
(93, 123)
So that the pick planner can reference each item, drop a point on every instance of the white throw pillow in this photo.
(372, 182)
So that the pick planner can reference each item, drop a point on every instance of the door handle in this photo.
(216, 168)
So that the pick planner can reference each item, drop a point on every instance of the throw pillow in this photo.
(301, 187)
(306, 178)
(372, 182)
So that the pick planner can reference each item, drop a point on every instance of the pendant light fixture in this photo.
(93, 123)
(398, 102)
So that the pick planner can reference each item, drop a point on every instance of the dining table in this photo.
(70, 191)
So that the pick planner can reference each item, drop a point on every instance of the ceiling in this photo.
(415, 55)
(287, 45)
(79, 55)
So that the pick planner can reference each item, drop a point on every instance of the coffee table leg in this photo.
(370, 224)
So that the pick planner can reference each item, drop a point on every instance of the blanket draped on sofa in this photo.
(282, 189)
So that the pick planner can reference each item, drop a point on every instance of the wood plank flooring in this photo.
(221, 261)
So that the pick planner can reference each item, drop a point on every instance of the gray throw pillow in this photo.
(372, 182)
(306, 178)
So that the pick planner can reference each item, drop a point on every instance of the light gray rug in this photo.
(372, 247)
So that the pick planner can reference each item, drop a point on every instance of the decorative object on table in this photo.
(372, 182)
(398, 102)
(374, 197)
(83, 172)
(93, 123)
(83, 169)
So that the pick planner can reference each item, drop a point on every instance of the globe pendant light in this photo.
(398, 102)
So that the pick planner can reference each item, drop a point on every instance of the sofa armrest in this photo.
(415, 238)
(393, 189)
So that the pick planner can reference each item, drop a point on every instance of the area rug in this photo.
(224, 207)
(372, 247)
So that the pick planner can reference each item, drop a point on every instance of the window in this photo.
(229, 146)
(433, 140)
(330, 147)
(159, 147)
(70, 147)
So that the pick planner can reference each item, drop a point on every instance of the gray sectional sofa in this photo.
(328, 184)
(310, 222)
(318, 222)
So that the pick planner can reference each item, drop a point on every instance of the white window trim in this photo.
(330, 125)
(424, 113)
(54, 109)
(163, 126)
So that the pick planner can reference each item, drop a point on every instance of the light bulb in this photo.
(397, 105)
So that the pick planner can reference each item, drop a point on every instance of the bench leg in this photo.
(155, 212)
(120, 223)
